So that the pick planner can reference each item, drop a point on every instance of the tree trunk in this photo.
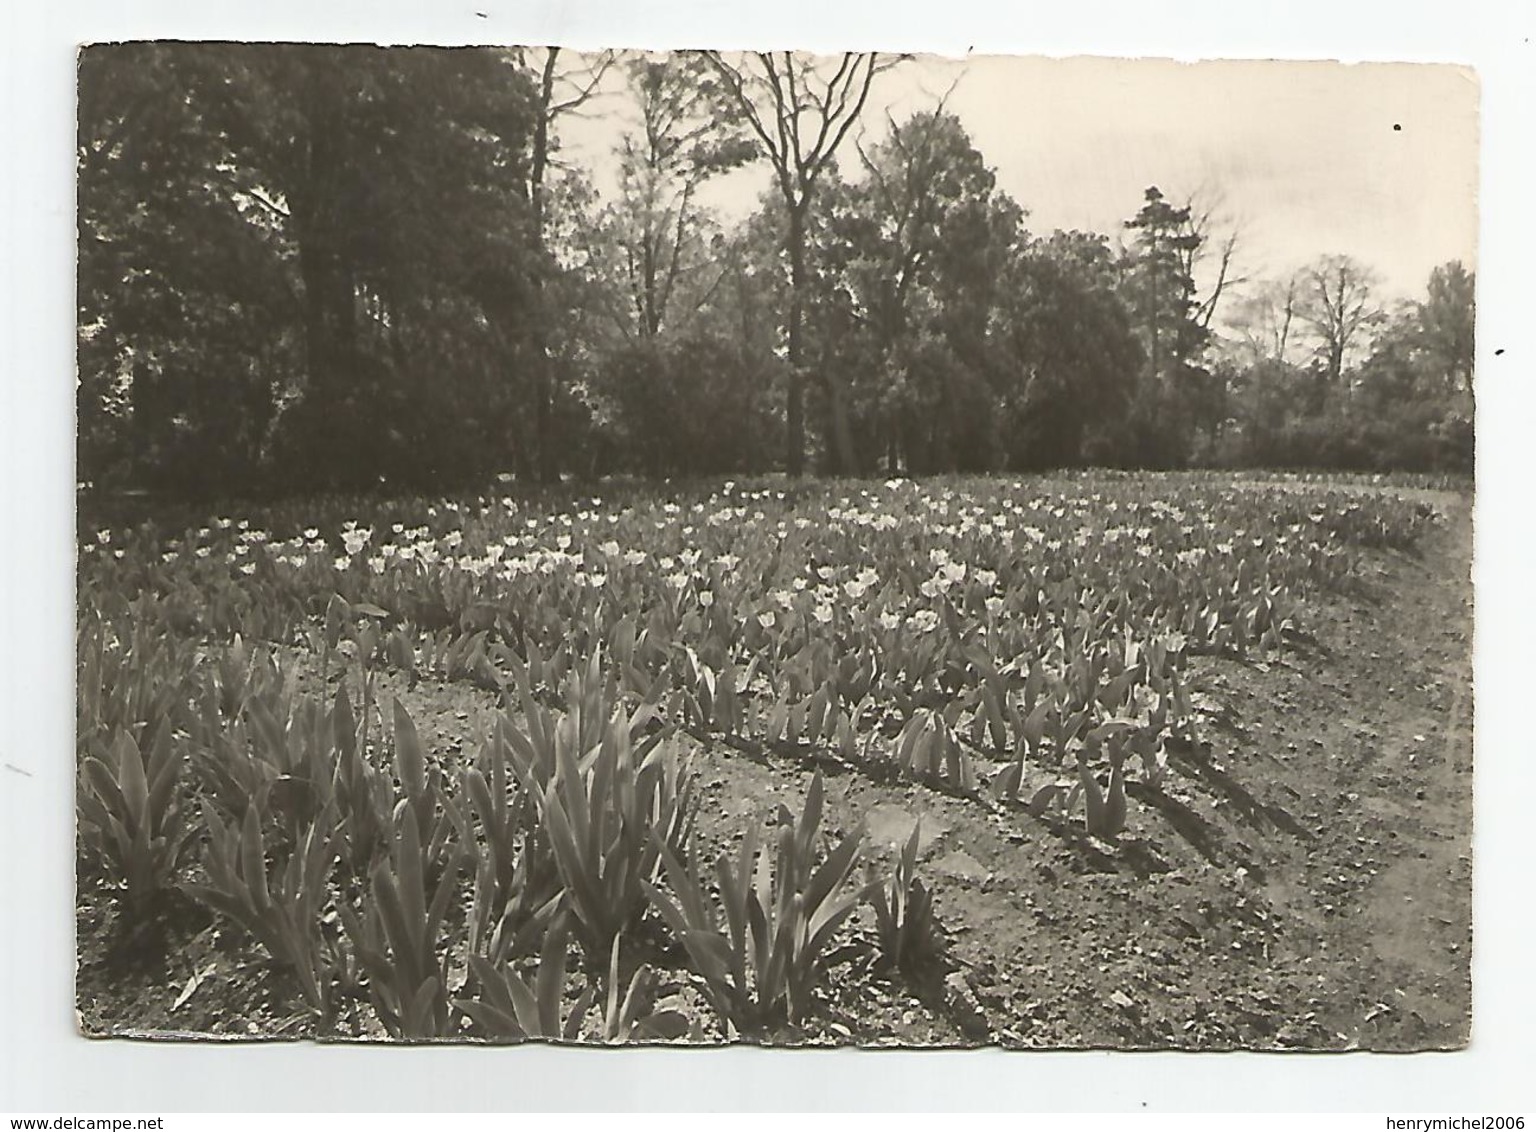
(545, 462)
(548, 467)
(329, 319)
(840, 437)
(795, 414)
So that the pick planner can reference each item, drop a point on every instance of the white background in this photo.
(45, 1066)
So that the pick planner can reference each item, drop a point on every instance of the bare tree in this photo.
(1212, 255)
(801, 108)
(1337, 301)
(1266, 318)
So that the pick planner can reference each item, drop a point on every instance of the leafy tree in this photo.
(681, 352)
(687, 404)
(1076, 356)
(909, 262)
(686, 134)
(563, 84)
(399, 169)
(800, 108)
(703, 395)
(316, 218)
(1415, 387)
(1446, 324)
(186, 283)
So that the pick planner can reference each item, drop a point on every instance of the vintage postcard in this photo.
(803, 550)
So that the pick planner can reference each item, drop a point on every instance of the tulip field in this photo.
(1102, 760)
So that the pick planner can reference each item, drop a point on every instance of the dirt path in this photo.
(1404, 787)
(1307, 880)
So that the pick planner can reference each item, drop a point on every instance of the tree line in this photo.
(316, 265)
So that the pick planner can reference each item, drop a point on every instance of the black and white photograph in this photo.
(723, 547)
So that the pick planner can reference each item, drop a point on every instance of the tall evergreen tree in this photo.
(1159, 289)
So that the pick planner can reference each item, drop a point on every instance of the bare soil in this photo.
(1302, 880)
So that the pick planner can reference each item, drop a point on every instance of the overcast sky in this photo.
(1376, 161)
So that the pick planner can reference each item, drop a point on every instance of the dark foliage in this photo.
(315, 266)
